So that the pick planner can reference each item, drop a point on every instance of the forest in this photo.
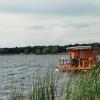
(52, 49)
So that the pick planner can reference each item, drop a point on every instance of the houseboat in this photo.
(80, 58)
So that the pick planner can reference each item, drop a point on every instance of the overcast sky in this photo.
(49, 22)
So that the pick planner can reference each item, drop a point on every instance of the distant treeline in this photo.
(42, 49)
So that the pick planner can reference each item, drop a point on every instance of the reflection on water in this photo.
(19, 71)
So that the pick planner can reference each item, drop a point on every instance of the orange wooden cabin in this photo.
(80, 58)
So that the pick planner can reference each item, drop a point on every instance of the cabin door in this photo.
(81, 54)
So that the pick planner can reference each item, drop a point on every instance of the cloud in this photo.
(65, 23)
(83, 25)
(23, 30)
(37, 27)
(46, 22)
(64, 7)
(49, 1)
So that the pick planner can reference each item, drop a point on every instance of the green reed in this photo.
(81, 87)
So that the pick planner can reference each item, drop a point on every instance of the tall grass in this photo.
(84, 87)
(44, 88)
(17, 95)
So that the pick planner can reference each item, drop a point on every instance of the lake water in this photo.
(17, 71)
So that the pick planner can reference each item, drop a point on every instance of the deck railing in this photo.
(81, 62)
(64, 62)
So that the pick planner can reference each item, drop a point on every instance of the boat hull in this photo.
(71, 68)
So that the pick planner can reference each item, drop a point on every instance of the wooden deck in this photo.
(71, 68)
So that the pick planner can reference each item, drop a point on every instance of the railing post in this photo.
(83, 63)
(65, 62)
(89, 62)
(61, 62)
(79, 63)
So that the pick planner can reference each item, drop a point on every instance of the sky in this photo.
(49, 22)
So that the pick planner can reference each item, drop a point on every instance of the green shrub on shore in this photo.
(83, 87)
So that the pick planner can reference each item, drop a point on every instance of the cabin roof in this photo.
(79, 47)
